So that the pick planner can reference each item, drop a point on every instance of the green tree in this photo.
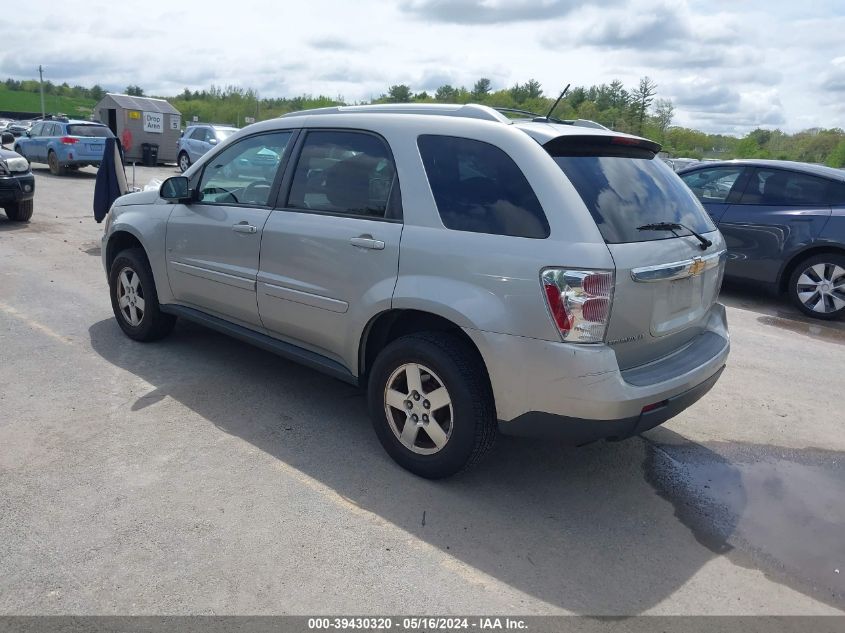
(518, 93)
(641, 100)
(533, 89)
(400, 93)
(445, 93)
(663, 113)
(837, 157)
(481, 89)
(134, 91)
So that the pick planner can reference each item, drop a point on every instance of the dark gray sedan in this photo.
(784, 224)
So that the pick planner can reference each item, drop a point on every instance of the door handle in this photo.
(244, 227)
(367, 241)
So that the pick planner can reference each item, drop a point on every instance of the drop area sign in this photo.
(154, 122)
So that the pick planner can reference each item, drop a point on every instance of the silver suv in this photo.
(196, 140)
(477, 274)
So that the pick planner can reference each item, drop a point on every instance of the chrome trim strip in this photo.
(213, 275)
(678, 270)
(305, 298)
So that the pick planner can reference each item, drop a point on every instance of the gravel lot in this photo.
(201, 475)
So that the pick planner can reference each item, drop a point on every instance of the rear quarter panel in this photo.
(477, 280)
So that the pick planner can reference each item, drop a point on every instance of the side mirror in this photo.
(212, 141)
(28, 134)
(7, 137)
(176, 189)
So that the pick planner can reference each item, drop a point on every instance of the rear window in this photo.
(627, 189)
(477, 187)
(89, 130)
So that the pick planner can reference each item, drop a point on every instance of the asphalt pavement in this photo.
(199, 475)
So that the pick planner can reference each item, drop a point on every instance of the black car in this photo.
(17, 184)
(18, 128)
(784, 224)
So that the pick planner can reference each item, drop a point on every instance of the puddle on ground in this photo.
(778, 510)
(825, 332)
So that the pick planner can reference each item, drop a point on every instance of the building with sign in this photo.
(139, 120)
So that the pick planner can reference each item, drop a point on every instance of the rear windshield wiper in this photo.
(674, 226)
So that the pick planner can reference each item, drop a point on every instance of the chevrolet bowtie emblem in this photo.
(697, 266)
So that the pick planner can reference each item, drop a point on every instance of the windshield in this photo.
(224, 132)
(89, 130)
(623, 193)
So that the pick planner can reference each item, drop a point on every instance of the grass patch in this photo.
(20, 101)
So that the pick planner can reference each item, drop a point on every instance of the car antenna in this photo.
(554, 105)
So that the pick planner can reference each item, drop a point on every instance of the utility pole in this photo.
(41, 80)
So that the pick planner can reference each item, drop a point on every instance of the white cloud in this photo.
(729, 66)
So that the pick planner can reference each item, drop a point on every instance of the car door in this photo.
(330, 253)
(196, 143)
(780, 212)
(213, 242)
(30, 144)
(717, 187)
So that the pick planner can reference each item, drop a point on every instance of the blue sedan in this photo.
(784, 224)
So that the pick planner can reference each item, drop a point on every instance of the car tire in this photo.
(56, 167)
(465, 427)
(134, 298)
(20, 211)
(817, 286)
(184, 161)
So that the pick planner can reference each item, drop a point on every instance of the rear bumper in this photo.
(545, 388)
(72, 155)
(579, 431)
(17, 188)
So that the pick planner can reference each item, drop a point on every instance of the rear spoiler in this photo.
(594, 145)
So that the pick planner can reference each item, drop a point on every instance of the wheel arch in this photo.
(793, 262)
(120, 240)
(389, 325)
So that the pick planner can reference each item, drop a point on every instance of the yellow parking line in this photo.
(35, 325)
(468, 573)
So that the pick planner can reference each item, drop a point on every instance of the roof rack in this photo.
(542, 118)
(470, 110)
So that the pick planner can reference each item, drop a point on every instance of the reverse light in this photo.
(579, 302)
(68, 140)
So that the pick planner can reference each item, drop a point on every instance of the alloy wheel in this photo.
(130, 297)
(418, 408)
(821, 288)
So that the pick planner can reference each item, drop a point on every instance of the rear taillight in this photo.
(68, 140)
(579, 302)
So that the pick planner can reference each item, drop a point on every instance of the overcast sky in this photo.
(728, 66)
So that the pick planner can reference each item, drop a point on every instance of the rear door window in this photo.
(477, 187)
(778, 187)
(348, 173)
(713, 185)
(625, 187)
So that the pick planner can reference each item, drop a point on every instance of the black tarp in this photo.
(111, 179)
